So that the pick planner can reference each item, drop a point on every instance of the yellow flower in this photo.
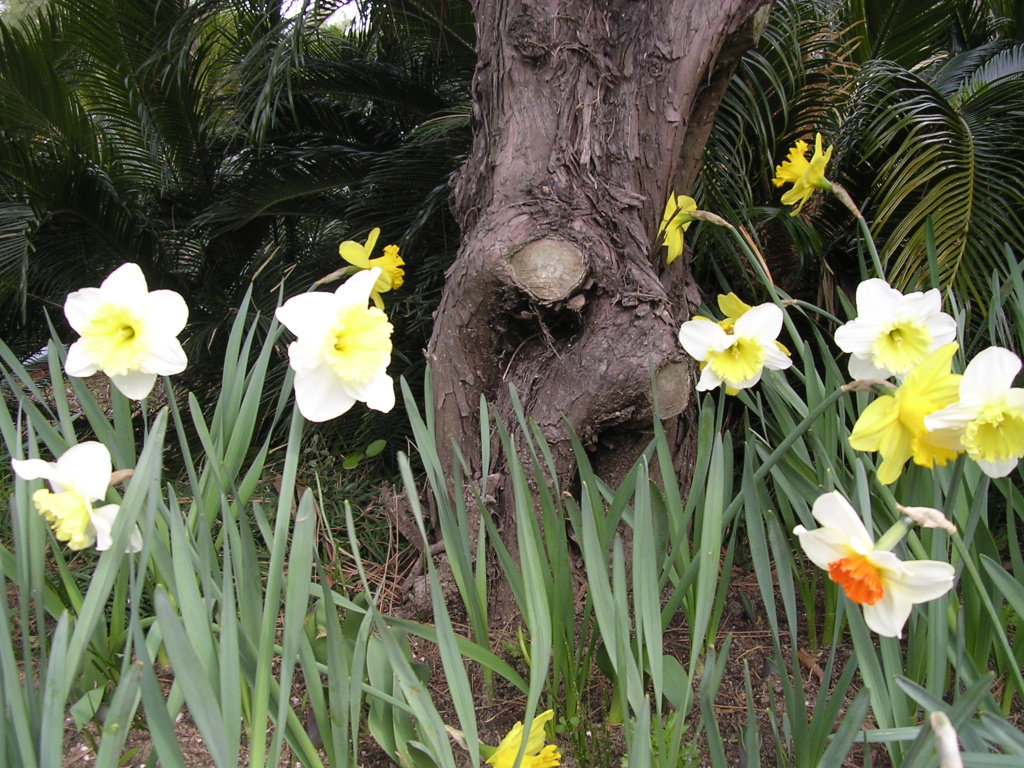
(77, 479)
(735, 358)
(988, 419)
(342, 349)
(892, 333)
(537, 754)
(390, 264)
(127, 331)
(804, 175)
(733, 307)
(674, 222)
(894, 425)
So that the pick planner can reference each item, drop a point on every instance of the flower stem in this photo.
(779, 298)
(870, 243)
(784, 446)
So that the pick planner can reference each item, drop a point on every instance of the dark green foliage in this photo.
(219, 144)
(925, 116)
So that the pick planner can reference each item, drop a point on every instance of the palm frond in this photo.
(953, 160)
(786, 89)
(902, 31)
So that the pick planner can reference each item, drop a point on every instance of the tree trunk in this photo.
(587, 113)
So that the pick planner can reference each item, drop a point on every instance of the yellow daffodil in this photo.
(892, 333)
(77, 479)
(127, 331)
(737, 358)
(536, 755)
(390, 264)
(733, 308)
(894, 425)
(988, 419)
(804, 175)
(342, 349)
(869, 573)
(674, 222)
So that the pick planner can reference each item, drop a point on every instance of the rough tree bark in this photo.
(586, 114)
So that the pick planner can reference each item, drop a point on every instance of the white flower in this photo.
(342, 349)
(77, 479)
(886, 587)
(892, 333)
(988, 420)
(127, 331)
(736, 359)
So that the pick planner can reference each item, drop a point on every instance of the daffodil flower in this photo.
(805, 176)
(78, 478)
(674, 222)
(127, 331)
(537, 754)
(342, 349)
(390, 264)
(872, 576)
(733, 308)
(892, 333)
(736, 359)
(894, 425)
(988, 419)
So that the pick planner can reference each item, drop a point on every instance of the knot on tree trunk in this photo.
(549, 270)
(673, 386)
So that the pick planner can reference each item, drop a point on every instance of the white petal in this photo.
(989, 375)
(920, 306)
(37, 469)
(78, 362)
(168, 310)
(863, 368)
(877, 299)
(832, 510)
(308, 314)
(708, 380)
(165, 357)
(135, 385)
(86, 468)
(943, 329)
(320, 394)
(888, 615)
(823, 545)
(932, 299)
(761, 322)
(951, 439)
(954, 417)
(125, 281)
(746, 383)
(924, 580)
(102, 519)
(857, 337)
(698, 337)
(997, 468)
(356, 290)
(81, 305)
(306, 353)
(380, 393)
(775, 359)
(134, 541)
